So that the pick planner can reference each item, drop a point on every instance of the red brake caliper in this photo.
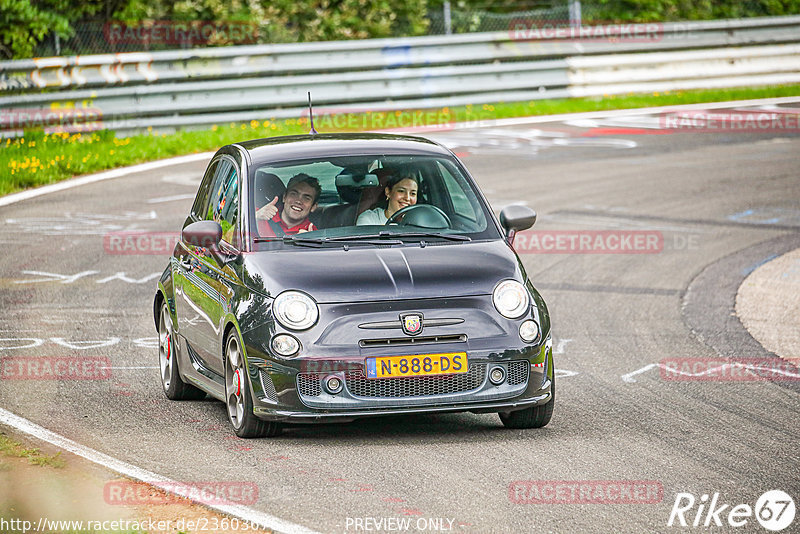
(238, 383)
(169, 347)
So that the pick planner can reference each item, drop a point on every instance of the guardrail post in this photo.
(448, 24)
(575, 13)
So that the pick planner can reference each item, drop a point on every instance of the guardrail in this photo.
(196, 88)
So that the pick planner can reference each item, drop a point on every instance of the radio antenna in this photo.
(311, 115)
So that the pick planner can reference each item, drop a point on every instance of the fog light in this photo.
(497, 375)
(285, 345)
(333, 384)
(529, 331)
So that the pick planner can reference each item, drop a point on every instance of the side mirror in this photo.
(206, 234)
(516, 218)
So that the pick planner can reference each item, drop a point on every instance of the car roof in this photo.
(341, 144)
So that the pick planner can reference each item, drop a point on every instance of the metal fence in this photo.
(200, 88)
(104, 36)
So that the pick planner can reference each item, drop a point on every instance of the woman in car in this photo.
(401, 191)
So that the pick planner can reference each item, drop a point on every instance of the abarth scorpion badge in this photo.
(412, 323)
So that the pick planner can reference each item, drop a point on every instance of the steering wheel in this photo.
(422, 215)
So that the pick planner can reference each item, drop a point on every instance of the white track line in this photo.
(538, 119)
(242, 512)
(629, 376)
(99, 177)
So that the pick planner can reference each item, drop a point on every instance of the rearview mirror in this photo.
(357, 180)
(516, 218)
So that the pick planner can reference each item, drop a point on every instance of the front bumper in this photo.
(305, 399)
(291, 389)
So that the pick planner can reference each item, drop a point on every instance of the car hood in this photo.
(333, 275)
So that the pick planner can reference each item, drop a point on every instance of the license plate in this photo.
(417, 365)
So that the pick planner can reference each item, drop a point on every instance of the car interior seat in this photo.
(337, 215)
(268, 186)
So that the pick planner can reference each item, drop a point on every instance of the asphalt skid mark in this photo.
(80, 223)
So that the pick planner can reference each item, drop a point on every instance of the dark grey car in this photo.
(432, 312)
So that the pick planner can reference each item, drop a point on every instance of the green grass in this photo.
(39, 159)
(14, 449)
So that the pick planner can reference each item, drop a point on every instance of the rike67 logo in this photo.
(774, 510)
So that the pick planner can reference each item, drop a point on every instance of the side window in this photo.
(223, 205)
(201, 200)
(461, 203)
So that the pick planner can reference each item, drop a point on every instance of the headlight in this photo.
(285, 345)
(529, 331)
(511, 299)
(295, 310)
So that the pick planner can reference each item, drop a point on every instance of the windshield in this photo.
(365, 200)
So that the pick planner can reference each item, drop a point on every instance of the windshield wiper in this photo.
(371, 239)
(451, 237)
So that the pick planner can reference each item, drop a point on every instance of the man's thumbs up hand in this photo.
(268, 211)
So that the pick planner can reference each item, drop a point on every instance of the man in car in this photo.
(300, 199)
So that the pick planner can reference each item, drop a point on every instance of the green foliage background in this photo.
(26, 23)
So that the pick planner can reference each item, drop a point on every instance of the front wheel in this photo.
(534, 417)
(172, 383)
(238, 401)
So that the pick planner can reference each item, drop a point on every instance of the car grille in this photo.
(452, 338)
(518, 372)
(310, 384)
(268, 386)
(415, 386)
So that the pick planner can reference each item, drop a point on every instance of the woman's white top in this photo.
(375, 216)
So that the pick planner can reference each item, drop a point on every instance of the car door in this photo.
(207, 286)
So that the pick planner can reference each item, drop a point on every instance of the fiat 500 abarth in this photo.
(396, 291)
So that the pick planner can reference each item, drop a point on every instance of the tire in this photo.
(171, 382)
(534, 417)
(238, 402)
